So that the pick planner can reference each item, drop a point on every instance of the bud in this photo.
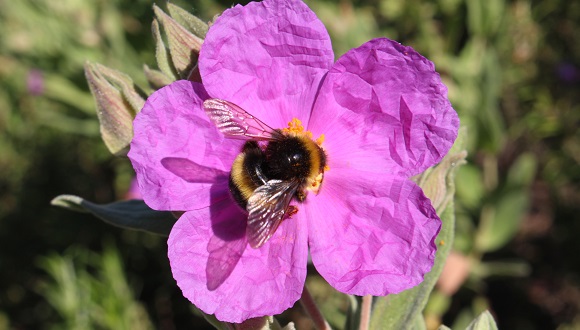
(117, 103)
(438, 182)
(156, 78)
(191, 22)
(184, 46)
(162, 53)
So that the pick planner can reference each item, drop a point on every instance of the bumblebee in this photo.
(274, 167)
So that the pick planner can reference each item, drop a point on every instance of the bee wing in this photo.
(267, 207)
(234, 122)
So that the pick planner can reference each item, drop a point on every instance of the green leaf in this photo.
(353, 313)
(184, 46)
(470, 189)
(59, 88)
(515, 268)
(401, 311)
(191, 22)
(483, 322)
(132, 214)
(500, 220)
(523, 171)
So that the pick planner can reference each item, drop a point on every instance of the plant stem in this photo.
(310, 307)
(365, 312)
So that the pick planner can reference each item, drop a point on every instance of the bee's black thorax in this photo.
(289, 158)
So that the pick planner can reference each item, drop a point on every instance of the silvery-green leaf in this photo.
(400, 311)
(131, 214)
(191, 22)
(183, 45)
(483, 322)
(443, 327)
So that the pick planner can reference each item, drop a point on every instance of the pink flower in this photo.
(385, 116)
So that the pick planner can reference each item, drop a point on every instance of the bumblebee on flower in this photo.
(370, 121)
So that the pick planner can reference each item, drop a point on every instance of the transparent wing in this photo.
(234, 122)
(267, 207)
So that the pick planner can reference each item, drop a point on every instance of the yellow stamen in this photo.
(295, 126)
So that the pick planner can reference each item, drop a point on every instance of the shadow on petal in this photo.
(193, 172)
(228, 242)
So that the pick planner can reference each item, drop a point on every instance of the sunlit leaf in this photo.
(483, 322)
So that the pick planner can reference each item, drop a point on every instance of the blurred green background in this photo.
(513, 72)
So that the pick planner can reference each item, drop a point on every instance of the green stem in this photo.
(310, 307)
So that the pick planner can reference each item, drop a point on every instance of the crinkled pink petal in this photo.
(182, 161)
(370, 234)
(269, 58)
(221, 274)
(383, 108)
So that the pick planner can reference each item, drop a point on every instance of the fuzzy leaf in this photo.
(401, 311)
(483, 322)
(132, 214)
(191, 22)
(183, 45)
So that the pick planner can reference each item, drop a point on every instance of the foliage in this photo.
(512, 68)
(86, 301)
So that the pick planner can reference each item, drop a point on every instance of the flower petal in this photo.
(220, 274)
(371, 235)
(179, 156)
(267, 57)
(382, 107)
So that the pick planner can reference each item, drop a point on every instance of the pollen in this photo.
(316, 183)
(296, 128)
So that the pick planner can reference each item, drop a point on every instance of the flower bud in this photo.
(183, 47)
(117, 103)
